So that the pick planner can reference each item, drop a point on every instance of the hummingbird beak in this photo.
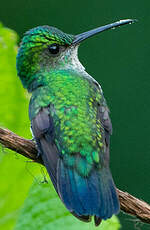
(81, 37)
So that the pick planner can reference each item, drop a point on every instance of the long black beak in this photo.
(81, 37)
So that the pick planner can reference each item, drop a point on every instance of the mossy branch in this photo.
(128, 203)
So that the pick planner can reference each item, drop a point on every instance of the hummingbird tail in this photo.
(93, 195)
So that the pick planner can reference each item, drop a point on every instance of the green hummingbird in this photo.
(69, 120)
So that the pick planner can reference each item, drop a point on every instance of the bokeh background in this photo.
(119, 60)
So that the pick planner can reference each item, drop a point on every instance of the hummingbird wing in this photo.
(107, 125)
(43, 131)
(103, 115)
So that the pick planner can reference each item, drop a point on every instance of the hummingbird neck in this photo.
(69, 60)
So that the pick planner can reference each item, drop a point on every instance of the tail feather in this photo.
(85, 193)
(67, 189)
(93, 195)
(97, 220)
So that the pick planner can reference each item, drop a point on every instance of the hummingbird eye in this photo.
(54, 48)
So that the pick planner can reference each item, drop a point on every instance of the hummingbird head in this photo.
(48, 48)
(41, 47)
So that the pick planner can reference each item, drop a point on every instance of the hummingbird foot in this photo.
(39, 152)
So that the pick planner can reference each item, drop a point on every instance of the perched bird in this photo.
(69, 120)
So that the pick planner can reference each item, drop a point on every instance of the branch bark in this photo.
(128, 203)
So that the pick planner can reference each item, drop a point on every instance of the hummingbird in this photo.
(69, 120)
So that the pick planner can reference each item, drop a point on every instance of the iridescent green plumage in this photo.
(75, 99)
(69, 120)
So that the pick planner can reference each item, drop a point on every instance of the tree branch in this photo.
(128, 203)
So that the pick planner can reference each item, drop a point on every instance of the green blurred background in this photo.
(118, 60)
